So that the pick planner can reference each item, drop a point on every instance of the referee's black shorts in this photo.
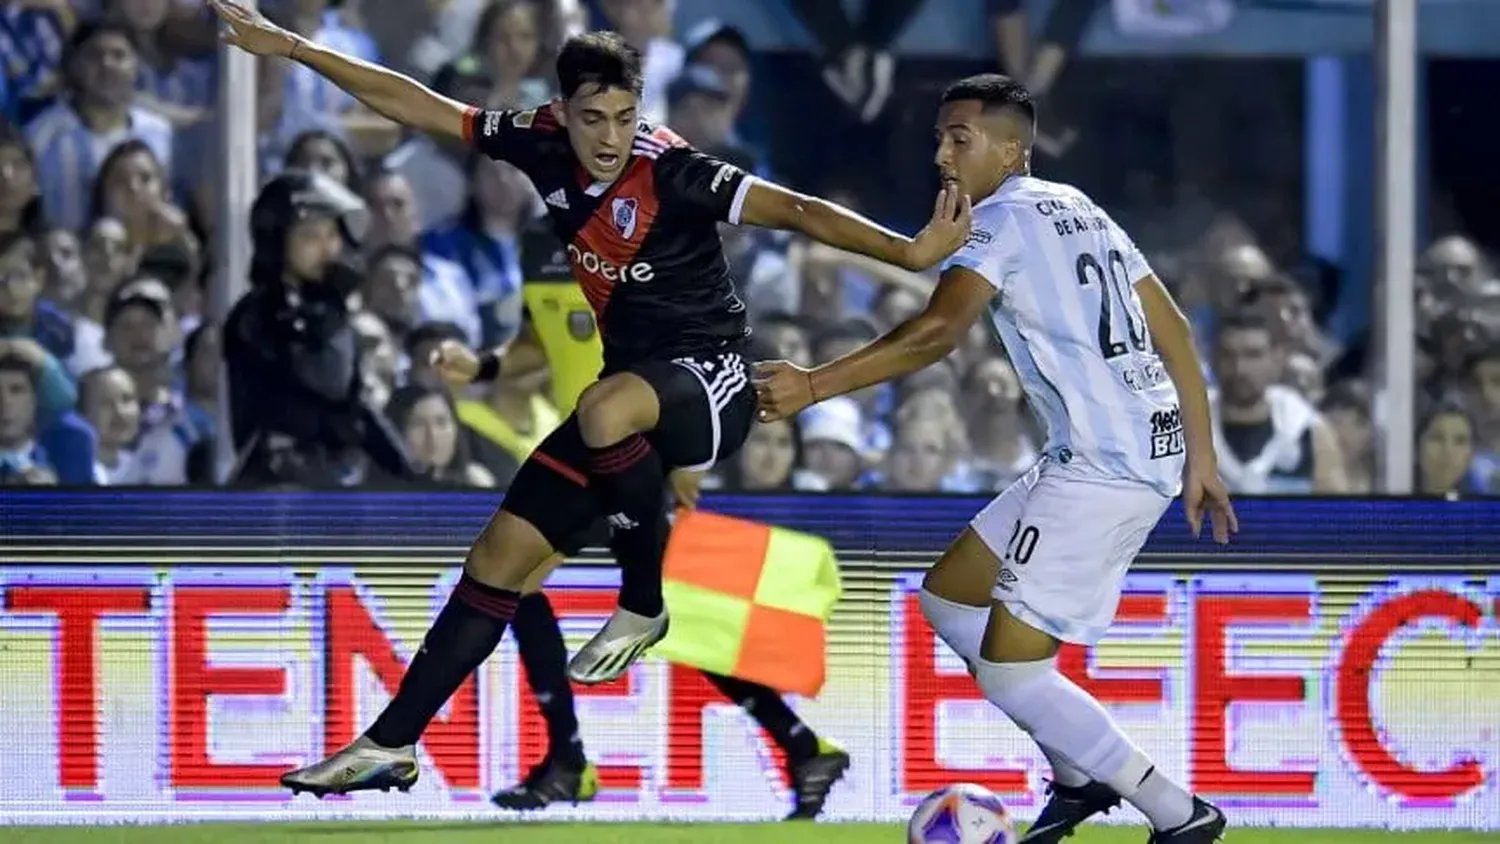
(707, 408)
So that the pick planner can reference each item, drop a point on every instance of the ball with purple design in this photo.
(963, 813)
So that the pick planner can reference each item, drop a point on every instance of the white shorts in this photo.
(1065, 540)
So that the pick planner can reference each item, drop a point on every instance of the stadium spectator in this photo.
(108, 402)
(785, 337)
(141, 331)
(23, 312)
(322, 151)
(998, 425)
(930, 448)
(33, 36)
(131, 187)
(20, 193)
(427, 420)
(1445, 448)
(508, 49)
(108, 261)
(436, 167)
(647, 25)
(391, 289)
(179, 88)
(71, 138)
(201, 355)
(724, 49)
(1347, 407)
(66, 279)
(379, 357)
(485, 241)
(23, 462)
(1483, 397)
(768, 462)
(839, 339)
(444, 291)
(833, 445)
(698, 108)
(1270, 439)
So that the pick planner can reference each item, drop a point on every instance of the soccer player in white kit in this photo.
(1108, 363)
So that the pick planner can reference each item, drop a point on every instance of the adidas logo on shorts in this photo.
(620, 521)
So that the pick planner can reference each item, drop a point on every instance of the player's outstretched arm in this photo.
(1173, 336)
(772, 206)
(961, 295)
(384, 91)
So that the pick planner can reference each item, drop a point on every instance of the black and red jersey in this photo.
(645, 248)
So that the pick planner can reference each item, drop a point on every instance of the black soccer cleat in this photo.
(1204, 827)
(813, 778)
(550, 782)
(1068, 807)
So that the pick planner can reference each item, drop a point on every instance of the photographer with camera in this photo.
(292, 354)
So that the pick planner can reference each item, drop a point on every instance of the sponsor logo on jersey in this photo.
(979, 237)
(558, 199)
(594, 265)
(491, 124)
(524, 119)
(721, 178)
(1166, 433)
(622, 211)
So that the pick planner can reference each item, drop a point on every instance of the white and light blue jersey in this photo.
(1067, 311)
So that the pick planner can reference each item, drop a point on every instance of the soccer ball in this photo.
(961, 814)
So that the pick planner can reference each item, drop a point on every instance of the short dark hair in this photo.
(599, 58)
(996, 92)
(22, 239)
(16, 363)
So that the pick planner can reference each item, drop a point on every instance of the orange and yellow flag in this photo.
(749, 601)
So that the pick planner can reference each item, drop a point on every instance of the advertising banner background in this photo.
(152, 673)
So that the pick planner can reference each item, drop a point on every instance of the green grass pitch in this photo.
(542, 833)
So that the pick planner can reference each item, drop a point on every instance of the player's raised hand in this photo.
(782, 389)
(251, 31)
(952, 215)
(1203, 490)
(455, 363)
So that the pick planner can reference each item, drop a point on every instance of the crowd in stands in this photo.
(108, 211)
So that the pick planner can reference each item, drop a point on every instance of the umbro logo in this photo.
(558, 199)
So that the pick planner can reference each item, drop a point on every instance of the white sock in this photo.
(1064, 774)
(1064, 718)
(962, 628)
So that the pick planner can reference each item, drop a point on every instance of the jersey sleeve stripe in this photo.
(737, 205)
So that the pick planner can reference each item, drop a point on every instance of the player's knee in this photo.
(506, 553)
(606, 412)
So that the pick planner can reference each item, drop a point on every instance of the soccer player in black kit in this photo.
(638, 211)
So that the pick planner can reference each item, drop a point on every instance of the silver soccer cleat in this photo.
(362, 766)
(618, 644)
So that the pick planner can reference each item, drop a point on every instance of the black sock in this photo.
(540, 643)
(628, 478)
(464, 635)
(771, 712)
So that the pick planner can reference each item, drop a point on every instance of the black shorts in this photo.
(707, 408)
